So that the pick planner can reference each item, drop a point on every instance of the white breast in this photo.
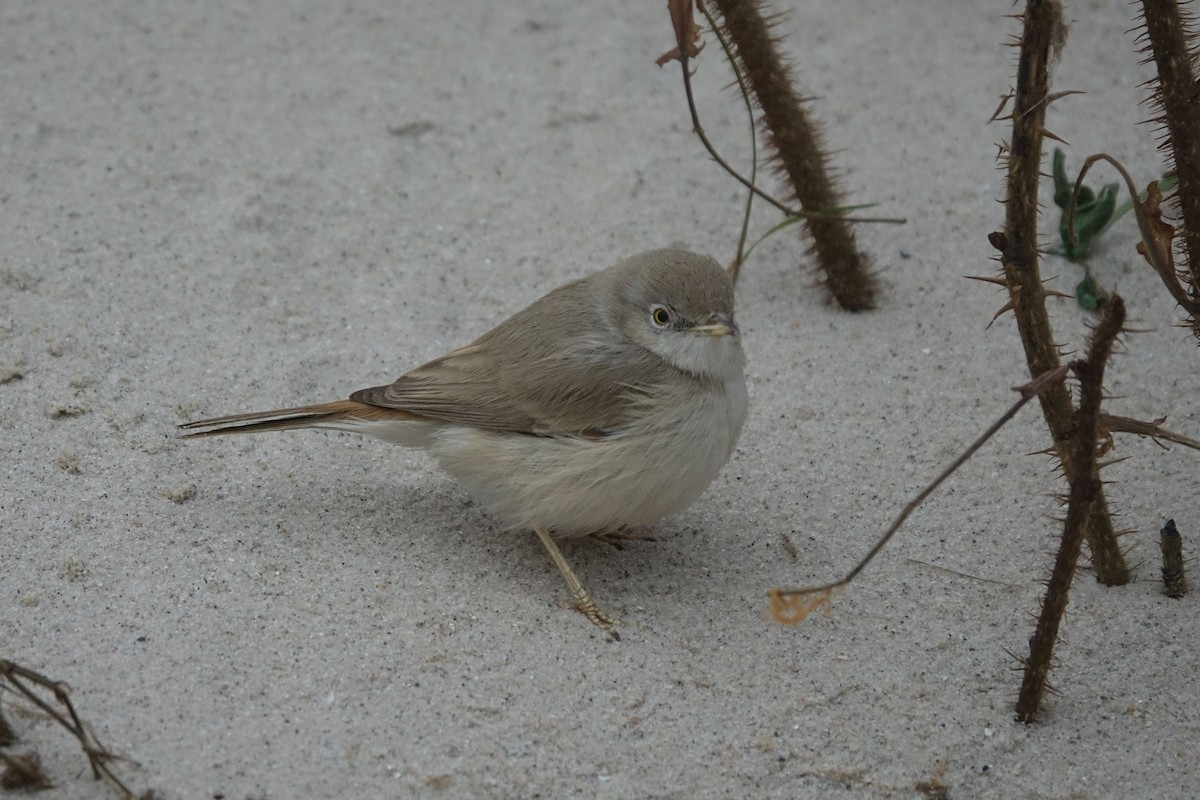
(577, 486)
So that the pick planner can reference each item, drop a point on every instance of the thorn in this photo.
(1006, 307)
(988, 279)
(1060, 95)
(1049, 134)
(1004, 98)
(1109, 463)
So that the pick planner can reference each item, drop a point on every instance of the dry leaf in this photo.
(792, 608)
(687, 32)
(1160, 232)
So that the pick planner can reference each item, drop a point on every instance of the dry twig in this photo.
(22, 681)
(792, 605)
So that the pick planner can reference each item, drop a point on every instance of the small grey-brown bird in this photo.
(611, 401)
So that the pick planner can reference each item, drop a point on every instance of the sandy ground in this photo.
(209, 209)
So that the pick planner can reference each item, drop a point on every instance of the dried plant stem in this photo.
(780, 598)
(1116, 424)
(21, 680)
(1174, 579)
(735, 267)
(7, 735)
(789, 212)
(797, 150)
(687, 46)
(23, 772)
(1019, 256)
(1155, 251)
(1178, 94)
(698, 129)
(1085, 492)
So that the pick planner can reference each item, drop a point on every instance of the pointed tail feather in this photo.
(321, 415)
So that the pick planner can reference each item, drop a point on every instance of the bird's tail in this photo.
(346, 415)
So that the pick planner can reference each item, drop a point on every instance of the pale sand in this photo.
(208, 210)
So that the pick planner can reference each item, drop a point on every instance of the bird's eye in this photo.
(660, 316)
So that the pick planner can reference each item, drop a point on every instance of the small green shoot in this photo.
(1093, 213)
(1088, 293)
(834, 213)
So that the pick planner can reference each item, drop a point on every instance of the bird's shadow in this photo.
(435, 527)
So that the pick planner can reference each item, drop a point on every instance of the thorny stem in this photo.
(827, 214)
(1019, 257)
(1085, 491)
(795, 141)
(824, 214)
(1167, 33)
(708, 145)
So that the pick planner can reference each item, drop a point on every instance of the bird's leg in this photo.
(615, 538)
(586, 605)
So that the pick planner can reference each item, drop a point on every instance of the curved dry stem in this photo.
(1158, 254)
(736, 267)
(1042, 23)
(779, 597)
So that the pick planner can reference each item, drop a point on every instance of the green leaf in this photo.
(1088, 293)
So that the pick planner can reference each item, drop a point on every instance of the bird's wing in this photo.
(543, 371)
(555, 394)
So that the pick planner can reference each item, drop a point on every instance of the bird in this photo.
(609, 403)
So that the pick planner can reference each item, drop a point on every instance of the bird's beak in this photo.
(716, 325)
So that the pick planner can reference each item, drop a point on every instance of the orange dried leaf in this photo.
(792, 608)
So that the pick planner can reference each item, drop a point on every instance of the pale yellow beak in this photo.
(716, 325)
